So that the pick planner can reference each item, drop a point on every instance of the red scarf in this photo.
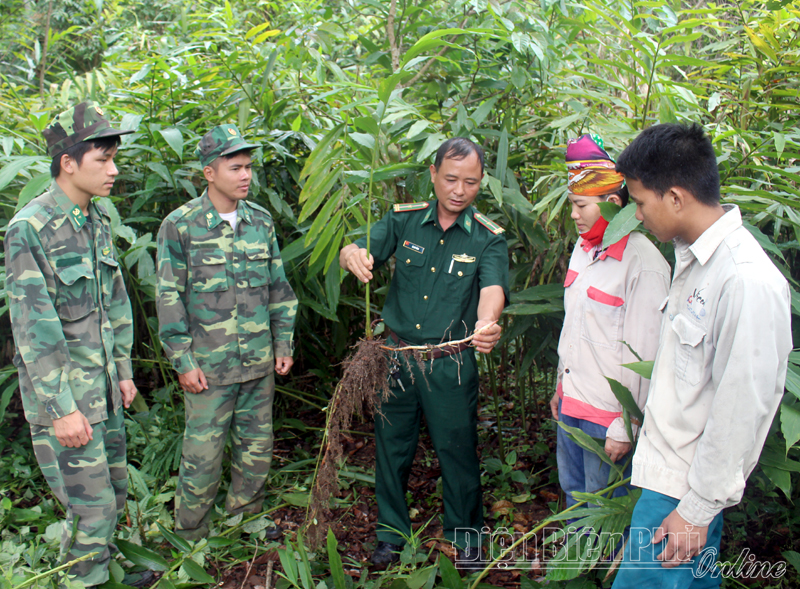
(594, 237)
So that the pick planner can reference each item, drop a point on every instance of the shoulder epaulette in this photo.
(404, 207)
(488, 223)
(258, 207)
(182, 210)
(35, 213)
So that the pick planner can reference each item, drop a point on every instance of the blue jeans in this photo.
(639, 569)
(579, 469)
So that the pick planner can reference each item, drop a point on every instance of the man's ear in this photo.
(433, 172)
(209, 173)
(68, 165)
(679, 198)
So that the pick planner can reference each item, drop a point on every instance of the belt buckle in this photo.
(427, 354)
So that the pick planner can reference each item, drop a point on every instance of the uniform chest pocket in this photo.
(601, 323)
(258, 266)
(76, 291)
(209, 271)
(459, 276)
(408, 268)
(690, 351)
(108, 270)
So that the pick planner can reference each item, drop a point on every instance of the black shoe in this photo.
(386, 553)
(273, 533)
(470, 559)
(140, 579)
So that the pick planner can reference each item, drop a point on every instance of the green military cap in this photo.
(221, 140)
(80, 123)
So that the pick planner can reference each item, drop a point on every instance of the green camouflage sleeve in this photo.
(120, 315)
(173, 321)
(34, 322)
(282, 303)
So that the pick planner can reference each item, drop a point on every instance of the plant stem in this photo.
(535, 530)
(493, 386)
(46, 574)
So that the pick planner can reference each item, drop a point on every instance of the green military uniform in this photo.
(225, 306)
(433, 297)
(73, 332)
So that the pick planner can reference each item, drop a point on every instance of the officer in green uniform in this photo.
(226, 320)
(73, 331)
(451, 277)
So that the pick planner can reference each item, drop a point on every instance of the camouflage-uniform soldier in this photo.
(226, 319)
(73, 332)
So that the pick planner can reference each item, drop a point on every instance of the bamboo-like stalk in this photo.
(493, 385)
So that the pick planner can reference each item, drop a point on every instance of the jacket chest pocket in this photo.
(459, 277)
(108, 271)
(602, 318)
(258, 266)
(209, 271)
(409, 267)
(76, 294)
(690, 351)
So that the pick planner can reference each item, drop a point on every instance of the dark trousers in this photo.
(447, 395)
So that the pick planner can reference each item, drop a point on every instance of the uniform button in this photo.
(408, 261)
(461, 274)
(670, 317)
(433, 269)
(425, 297)
(570, 345)
(567, 371)
(418, 326)
(441, 241)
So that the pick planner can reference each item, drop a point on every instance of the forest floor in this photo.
(355, 517)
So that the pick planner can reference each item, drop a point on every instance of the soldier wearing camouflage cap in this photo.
(72, 325)
(226, 321)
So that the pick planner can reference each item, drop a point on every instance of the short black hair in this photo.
(215, 162)
(457, 148)
(673, 154)
(77, 151)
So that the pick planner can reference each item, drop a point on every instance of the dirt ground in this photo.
(355, 522)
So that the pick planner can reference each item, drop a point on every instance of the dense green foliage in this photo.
(346, 94)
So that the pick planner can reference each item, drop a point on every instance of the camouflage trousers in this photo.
(91, 482)
(246, 410)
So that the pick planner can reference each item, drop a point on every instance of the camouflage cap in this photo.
(221, 140)
(82, 122)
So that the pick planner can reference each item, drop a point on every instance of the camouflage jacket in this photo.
(224, 304)
(70, 313)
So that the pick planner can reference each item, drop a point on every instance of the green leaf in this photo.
(174, 139)
(219, 542)
(790, 425)
(197, 573)
(388, 85)
(643, 369)
(609, 210)
(141, 556)
(625, 398)
(527, 309)
(335, 562)
(764, 241)
(450, 577)
(793, 558)
(479, 114)
(174, 539)
(10, 170)
(502, 157)
(621, 225)
(319, 155)
(780, 142)
(587, 442)
(496, 188)
(34, 187)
